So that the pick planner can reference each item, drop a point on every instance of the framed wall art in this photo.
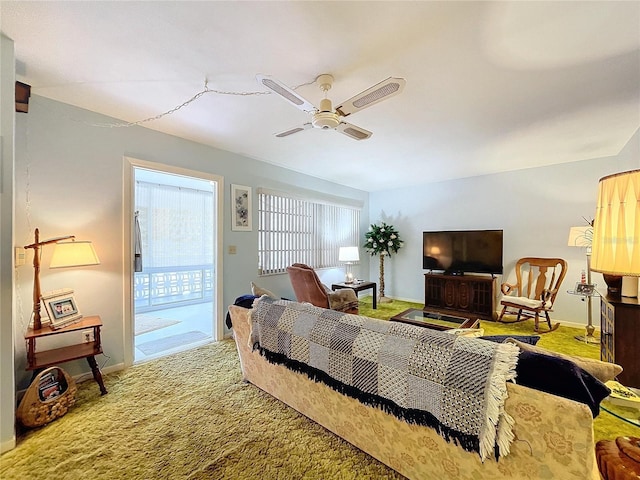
(61, 307)
(241, 208)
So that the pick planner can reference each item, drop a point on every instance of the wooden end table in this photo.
(38, 361)
(435, 320)
(358, 287)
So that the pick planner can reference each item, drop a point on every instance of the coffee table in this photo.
(626, 410)
(435, 320)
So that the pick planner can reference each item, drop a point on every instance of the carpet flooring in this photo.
(190, 416)
(147, 323)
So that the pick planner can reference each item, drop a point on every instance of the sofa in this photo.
(553, 435)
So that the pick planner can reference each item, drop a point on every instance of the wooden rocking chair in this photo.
(533, 293)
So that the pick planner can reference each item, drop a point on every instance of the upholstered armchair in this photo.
(308, 288)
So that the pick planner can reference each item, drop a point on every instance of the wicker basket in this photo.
(36, 410)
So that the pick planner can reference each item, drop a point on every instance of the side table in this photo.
(587, 292)
(358, 287)
(38, 361)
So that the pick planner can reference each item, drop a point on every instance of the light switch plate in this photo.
(20, 256)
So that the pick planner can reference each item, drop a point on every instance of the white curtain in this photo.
(176, 225)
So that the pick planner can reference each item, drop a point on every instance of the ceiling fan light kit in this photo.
(326, 117)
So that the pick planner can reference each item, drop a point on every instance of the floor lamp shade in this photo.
(73, 254)
(616, 232)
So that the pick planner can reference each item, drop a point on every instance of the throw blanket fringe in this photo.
(498, 429)
(452, 384)
(419, 417)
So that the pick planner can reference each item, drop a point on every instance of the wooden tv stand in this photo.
(469, 295)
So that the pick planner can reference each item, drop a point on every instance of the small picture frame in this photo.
(241, 208)
(61, 307)
(585, 289)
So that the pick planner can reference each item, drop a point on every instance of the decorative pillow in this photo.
(343, 299)
(525, 301)
(245, 301)
(603, 371)
(258, 291)
(561, 377)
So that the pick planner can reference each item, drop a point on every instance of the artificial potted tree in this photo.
(382, 240)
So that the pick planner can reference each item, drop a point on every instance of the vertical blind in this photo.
(176, 225)
(293, 230)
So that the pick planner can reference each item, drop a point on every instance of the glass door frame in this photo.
(130, 164)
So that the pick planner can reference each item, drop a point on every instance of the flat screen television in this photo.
(463, 251)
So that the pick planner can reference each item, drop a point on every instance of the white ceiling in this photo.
(491, 86)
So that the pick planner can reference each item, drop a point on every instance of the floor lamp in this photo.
(581, 237)
(66, 254)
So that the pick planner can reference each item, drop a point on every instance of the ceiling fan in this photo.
(326, 117)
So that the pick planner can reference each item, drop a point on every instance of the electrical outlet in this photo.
(86, 336)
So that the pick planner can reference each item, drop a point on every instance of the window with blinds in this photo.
(295, 230)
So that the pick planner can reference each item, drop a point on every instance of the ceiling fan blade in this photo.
(352, 131)
(291, 131)
(386, 89)
(286, 93)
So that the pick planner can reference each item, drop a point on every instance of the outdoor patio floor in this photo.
(173, 330)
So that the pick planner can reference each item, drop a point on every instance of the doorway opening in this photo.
(174, 285)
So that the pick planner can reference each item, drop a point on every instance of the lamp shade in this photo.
(73, 254)
(616, 232)
(580, 236)
(348, 254)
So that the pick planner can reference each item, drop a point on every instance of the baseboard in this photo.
(83, 377)
(8, 444)
(577, 325)
(410, 300)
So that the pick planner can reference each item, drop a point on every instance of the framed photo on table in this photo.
(241, 208)
(61, 307)
(585, 289)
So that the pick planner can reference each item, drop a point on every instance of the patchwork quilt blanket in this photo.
(453, 384)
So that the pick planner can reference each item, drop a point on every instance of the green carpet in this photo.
(190, 416)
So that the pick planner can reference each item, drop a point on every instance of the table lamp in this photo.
(66, 254)
(348, 255)
(616, 232)
(582, 237)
